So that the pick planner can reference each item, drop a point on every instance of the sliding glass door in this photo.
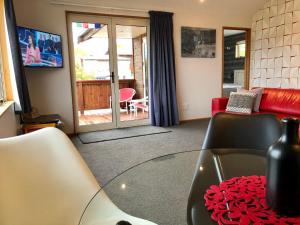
(109, 63)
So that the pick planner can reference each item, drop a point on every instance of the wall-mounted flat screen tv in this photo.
(40, 49)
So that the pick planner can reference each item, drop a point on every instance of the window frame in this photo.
(5, 69)
(2, 82)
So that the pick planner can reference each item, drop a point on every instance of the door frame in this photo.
(111, 21)
(247, 56)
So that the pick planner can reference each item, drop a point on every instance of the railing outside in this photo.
(95, 94)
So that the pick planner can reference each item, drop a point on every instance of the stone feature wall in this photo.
(275, 45)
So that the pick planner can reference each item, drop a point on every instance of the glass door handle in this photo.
(112, 77)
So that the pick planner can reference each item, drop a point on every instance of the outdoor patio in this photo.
(104, 116)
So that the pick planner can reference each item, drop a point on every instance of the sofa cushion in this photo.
(241, 102)
(258, 92)
(283, 101)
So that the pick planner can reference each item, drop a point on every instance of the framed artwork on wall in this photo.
(198, 42)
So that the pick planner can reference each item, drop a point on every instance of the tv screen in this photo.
(40, 49)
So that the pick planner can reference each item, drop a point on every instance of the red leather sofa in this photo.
(280, 102)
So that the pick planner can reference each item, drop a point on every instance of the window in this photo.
(240, 49)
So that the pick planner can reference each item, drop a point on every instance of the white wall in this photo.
(198, 80)
(275, 51)
(8, 123)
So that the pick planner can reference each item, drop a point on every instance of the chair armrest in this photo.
(218, 104)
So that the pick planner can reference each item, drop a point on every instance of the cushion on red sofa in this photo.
(282, 101)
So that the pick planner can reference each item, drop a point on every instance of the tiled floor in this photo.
(105, 116)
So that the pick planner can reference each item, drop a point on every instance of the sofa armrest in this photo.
(218, 104)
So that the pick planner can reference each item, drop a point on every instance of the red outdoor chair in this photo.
(125, 95)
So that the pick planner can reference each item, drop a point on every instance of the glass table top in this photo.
(169, 190)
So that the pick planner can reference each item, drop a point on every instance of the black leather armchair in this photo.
(230, 134)
(242, 131)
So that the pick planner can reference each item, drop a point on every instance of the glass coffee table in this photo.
(159, 190)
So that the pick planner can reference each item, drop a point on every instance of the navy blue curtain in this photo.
(164, 109)
(17, 57)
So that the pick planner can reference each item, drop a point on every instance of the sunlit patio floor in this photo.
(105, 116)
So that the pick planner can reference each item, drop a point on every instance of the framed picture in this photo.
(198, 42)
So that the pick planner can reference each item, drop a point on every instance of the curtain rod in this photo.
(96, 6)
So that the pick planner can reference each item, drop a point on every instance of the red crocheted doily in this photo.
(241, 200)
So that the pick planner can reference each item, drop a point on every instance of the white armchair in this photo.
(44, 181)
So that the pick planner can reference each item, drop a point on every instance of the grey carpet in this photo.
(157, 190)
(110, 135)
(109, 159)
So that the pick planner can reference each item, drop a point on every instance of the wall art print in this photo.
(198, 42)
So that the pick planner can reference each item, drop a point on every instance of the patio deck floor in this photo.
(105, 116)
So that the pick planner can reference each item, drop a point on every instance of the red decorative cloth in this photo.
(241, 200)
